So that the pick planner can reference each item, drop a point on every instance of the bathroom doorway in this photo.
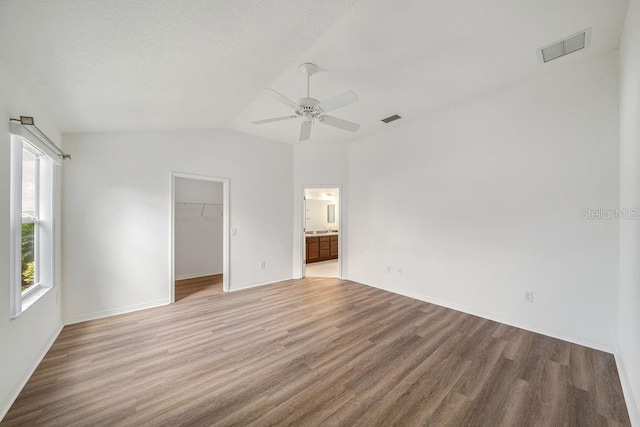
(322, 240)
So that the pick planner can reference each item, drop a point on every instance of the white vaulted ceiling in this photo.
(159, 64)
(153, 64)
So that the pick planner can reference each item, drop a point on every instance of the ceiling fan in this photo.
(311, 110)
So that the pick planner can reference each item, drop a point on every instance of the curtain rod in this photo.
(29, 124)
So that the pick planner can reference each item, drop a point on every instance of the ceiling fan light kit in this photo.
(311, 110)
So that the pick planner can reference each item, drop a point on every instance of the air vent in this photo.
(391, 118)
(565, 46)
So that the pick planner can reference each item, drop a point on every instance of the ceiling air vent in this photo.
(391, 118)
(565, 46)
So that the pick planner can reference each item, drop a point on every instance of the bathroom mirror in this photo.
(331, 213)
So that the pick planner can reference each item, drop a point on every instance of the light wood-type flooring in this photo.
(314, 352)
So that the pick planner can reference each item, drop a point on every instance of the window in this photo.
(32, 231)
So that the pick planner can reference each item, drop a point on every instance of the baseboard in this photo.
(255, 285)
(632, 408)
(115, 311)
(195, 275)
(495, 318)
(13, 395)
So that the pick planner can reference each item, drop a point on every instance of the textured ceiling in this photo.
(154, 64)
(158, 64)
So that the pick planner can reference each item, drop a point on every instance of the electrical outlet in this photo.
(388, 269)
(528, 296)
(263, 264)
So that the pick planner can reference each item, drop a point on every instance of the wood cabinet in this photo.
(321, 248)
(334, 247)
(325, 247)
(313, 249)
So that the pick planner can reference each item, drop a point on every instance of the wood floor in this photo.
(314, 352)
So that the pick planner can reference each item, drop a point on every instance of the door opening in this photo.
(321, 257)
(199, 236)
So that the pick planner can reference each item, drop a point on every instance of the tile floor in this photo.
(322, 269)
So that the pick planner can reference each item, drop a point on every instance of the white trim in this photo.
(46, 221)
(341, 253)
(35, 140)
(303, 237)
(13, 394)
(115, 311)
(493, 317)
(256, 285)
(31, 290)
(34, 295)
(632, 408)
(44, 225)
(226, 232)
(196, 275)
(15, 227)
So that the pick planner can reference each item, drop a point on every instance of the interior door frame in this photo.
(226, 280)
(341, 228)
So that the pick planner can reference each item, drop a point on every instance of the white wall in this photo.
(481, 202)
(117, 204)
(24, 340)
(318, 165)
(629, 339)
(198, 229)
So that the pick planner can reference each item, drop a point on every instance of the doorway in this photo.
(200, 230)
(321, 257)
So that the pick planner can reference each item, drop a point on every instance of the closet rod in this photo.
(199, 204)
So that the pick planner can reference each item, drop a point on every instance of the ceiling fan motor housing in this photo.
(307, 109)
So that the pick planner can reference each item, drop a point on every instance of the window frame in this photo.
(44, 231)
(27, 219)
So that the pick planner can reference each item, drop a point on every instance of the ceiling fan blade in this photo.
(339, 123)
(280, 97)
(275, 119)
(338, 101)
(305, 130)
